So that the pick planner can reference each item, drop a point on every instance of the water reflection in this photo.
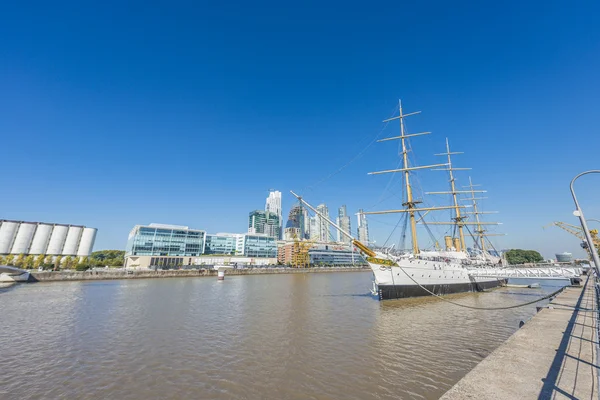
(275, 336)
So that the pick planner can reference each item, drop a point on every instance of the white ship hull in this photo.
(409, 277)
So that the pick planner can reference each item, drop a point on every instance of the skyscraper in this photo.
(273, 205)
(264, 222)
(363, 228)
(296, 220)
(323, 225)
(343, 221)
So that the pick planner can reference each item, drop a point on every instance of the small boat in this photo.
(12, 274)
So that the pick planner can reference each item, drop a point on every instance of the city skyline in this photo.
(107, 126)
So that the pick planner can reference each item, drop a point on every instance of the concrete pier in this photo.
(553, 356)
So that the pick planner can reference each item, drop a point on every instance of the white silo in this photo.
(86, 244)
(72, 241)
(40, 239)
(23, 238)
(57, 239)
(7, 234)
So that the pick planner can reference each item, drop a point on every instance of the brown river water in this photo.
(297, 336)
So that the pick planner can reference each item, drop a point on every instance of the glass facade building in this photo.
(266, 222)
(222, 244)
(260, 246)
(165, 240)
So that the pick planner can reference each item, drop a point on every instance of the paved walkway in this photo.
(553, 356)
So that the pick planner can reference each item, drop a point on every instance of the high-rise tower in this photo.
(363, 228)
(343, 221)
(323, 225)
(273, 205)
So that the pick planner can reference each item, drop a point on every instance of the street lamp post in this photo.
(579, 213)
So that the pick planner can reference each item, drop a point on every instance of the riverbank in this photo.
(553, 354)
(57, 276)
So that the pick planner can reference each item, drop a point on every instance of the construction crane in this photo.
(577, 231)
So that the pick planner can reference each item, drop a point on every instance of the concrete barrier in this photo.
(48, 276)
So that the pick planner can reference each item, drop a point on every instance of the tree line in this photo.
(102, 258)
(518, 256)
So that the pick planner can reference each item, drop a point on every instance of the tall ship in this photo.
(419, 272)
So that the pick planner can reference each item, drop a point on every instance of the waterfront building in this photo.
(319, 253)
(323, 224)
(266, 222)
(172, 246)
(165, 240)
(223, 244)
(343, 221)
(40, 238)
(273, 205)
(332, 255)
(363, 228)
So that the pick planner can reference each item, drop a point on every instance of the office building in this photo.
(343, 221)
(266, 222)
(334, 255)
(363, 228)
(40, 238)
(320, 254)
(223, 244)
(296, 220)
(165, 240)
(273, 205)
(170, 246)
(313, 229)
(323, 224)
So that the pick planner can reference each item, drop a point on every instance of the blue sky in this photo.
(115, 114)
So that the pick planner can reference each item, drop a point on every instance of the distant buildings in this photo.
(564, 257)
(266, 222)
(343, 221)
(295, 227)
(322, 224)
(363, 228)
(40, 238)
(320, 254)
(273, 205)
(174, 246)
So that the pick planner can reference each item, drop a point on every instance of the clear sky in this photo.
(121, 113)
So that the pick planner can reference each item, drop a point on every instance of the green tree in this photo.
(112, 258)
(39, 260)
(67, 262)
(2, 260)
(28, 262)
(10, 259)
(20, 260)
(57, 262)
(518, 256)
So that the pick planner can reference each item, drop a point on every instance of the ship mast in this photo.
(458, 219)
(410, 203)
(480, 231)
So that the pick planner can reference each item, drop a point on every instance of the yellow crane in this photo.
(577, 231)
(300, 247)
